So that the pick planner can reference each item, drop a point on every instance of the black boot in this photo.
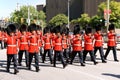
(82, 64)
(7, 70)
(116, 60)
(64, 65)
(16, 71)
(103, 61)
(95, 63)
(37, 69)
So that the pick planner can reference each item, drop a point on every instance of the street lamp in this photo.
(108, 16)
(28, 15)
(68, 13)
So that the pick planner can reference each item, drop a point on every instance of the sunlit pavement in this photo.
(101, 71)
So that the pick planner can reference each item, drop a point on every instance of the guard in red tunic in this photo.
(77, 45)
(65, 43)
(23, 48)
(88, 45)
(40, 39)
(58, 47)
(1, 37)
(47, 44)
(98, 45)
(33, 47)
(11, 40)
(111, 42)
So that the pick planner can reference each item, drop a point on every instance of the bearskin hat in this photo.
(39, 27)
(88, 30)
(65, 30)
(23, 28)
(98, 27)
(32, 27)
(46, 30)
(111, 27)
(52, 29)
(58, 29)
(11, 28)
(76, 29)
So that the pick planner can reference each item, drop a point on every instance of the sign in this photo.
(106, 12)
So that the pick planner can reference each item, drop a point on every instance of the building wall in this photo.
(77, 7)
(54, 7)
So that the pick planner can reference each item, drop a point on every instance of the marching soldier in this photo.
(98, 45)
(47, 44)
(88, 45)
(11, 47)
(77, 45)
(65, 43)
(111, 42)
(1, 36)
(23, 48)
(33, 47)
(40, 39)
(58, 47)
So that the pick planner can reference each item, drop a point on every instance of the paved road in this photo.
(102, 71)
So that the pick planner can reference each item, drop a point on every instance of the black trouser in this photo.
(9, 58)
(20, 55)
(60, 53)
(66, 53)
(101, 52)
(91, 52)
(41, 54)
(1, 42)
(49, 51)
(5, 44)
(36, 56)
(114, 52)
(80, 56)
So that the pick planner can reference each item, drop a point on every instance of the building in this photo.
(39, 7)
(77, 7)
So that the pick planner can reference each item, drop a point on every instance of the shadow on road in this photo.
(113, 75)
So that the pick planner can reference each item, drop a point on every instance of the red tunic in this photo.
(77, 43)
(88, 42)
(64, 42)
(53, 39)
(23, 42)
(98, 40)
(33, 44)
(47, 41)
(58, 44)
(11, 44)
(1, 35)
(40, 40)
(111, 39)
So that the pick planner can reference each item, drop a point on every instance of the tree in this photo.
(115, 11)
(82, 21)
(97, 20)
(59, 19)
(21, 16)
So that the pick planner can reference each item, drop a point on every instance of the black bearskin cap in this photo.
(111, 27)
(23, 28)
(98, 27)
(46, 30)
(88, 30)
(76, 29)
(11, 28)
(58, 29)
(32, 27)
(39, 27)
